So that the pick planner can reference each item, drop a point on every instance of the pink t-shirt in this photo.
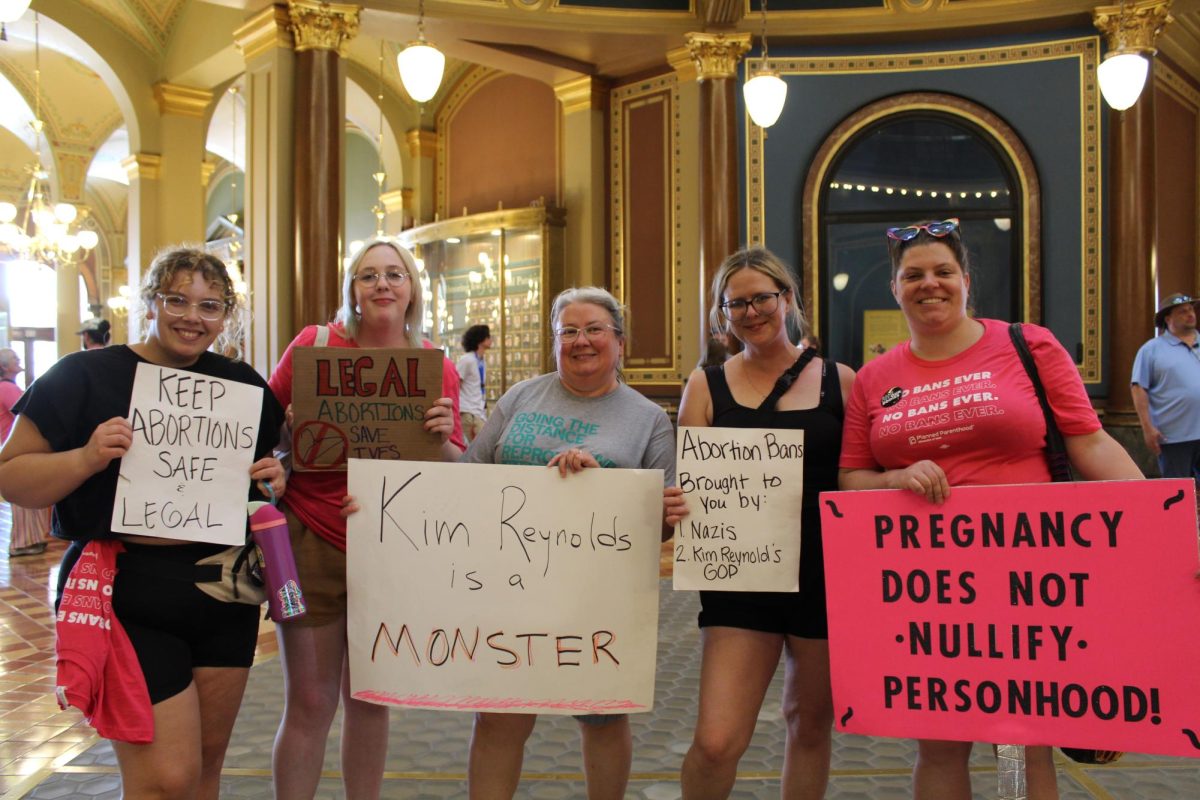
(10, 393)
(316, 497)
(976, 414)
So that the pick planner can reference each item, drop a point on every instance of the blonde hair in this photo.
(759, 259)
(414, 315)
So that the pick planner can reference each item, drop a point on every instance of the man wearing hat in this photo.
(1166, 389)
(95, 333)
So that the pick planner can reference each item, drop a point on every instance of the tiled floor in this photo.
(45, 753)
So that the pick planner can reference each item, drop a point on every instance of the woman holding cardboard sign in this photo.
(772, 383)
(194, 652)
(975, 364)
(596, 420)
(381, 307)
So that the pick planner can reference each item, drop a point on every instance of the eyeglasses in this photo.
(394, 278)
(177, 305)
(592, 332)
(763, 302)
(937, 229)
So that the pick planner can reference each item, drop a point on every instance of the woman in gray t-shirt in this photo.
(579, 416)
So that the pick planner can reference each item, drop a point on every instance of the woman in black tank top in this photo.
(772, 383)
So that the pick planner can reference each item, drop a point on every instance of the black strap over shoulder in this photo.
(785, 381)
(1056, 447)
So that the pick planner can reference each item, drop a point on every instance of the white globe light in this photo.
(89, 239)
(69, 243)
(1122, 77)
(65, 213)
(421, 66)
(764, 94)
(8, 212)
(11, 10)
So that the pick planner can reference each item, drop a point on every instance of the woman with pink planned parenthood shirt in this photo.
(954, 406)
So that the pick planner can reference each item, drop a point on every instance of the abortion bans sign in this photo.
(480, 587)
(1059, 613)
(363, 403)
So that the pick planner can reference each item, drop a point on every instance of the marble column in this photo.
(320, 31)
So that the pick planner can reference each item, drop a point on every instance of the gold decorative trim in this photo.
(322, 26)
(396, 200)
(183, 101)
(1172, 81)
(142, 166)
(1083, 50)
(623, 98)
(207, 168)
(422, 143)
(472, 81)
(265, 31)
(717, 54)
(1132, 26)
(620, 13)
(586, 93)
(680, 60)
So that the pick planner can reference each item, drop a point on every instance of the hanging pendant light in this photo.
(11, 11)
(1130, 38)
(765, 92)
(421, 64)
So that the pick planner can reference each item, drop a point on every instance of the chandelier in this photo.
(42, 231)
(765, 91)
(1130, 33)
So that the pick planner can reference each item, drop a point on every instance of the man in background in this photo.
(1166, 389)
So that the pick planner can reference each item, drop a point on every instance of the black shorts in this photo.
(768, 612)
(173, 626)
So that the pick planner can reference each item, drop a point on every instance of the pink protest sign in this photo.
(1063, 613)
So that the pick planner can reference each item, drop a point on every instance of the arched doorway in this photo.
(905, 158)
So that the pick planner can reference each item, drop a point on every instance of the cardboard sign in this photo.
(478, 587)
(363, 403)
(744, 488)
(1049, 614)
(187, 473)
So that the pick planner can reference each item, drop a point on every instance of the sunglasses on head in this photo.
(937, 229)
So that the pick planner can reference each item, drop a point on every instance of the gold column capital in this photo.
(183, 101)
(269, 29)
(585, 93)
(207, 168)
(421, 143)
(1136, 29)
(142, 166)
(680, 59)
(322, 26)
(717, 54)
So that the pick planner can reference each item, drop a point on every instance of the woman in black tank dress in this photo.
(754, 296)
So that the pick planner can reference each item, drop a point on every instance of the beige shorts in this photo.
(322, 571)
(471, 425)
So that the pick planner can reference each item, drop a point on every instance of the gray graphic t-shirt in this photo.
(539, 418)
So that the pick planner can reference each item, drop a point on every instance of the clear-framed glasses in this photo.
(764, 303)
(936, 229)
(569, 334)
(394, 277)
(177, 305)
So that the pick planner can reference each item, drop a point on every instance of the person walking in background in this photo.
(1166, 389)
(30, 526)
(931, 281)
(472, 376)
(95, 333)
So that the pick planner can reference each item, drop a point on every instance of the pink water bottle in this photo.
(269, 528)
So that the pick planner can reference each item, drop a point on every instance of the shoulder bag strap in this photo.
(785, 381)
(1056, 448)
(322, 339)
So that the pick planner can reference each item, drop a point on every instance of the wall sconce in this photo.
(765, 92)
(421, 64)
(1130, 31)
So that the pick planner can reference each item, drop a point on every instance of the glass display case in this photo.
(500, 269)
